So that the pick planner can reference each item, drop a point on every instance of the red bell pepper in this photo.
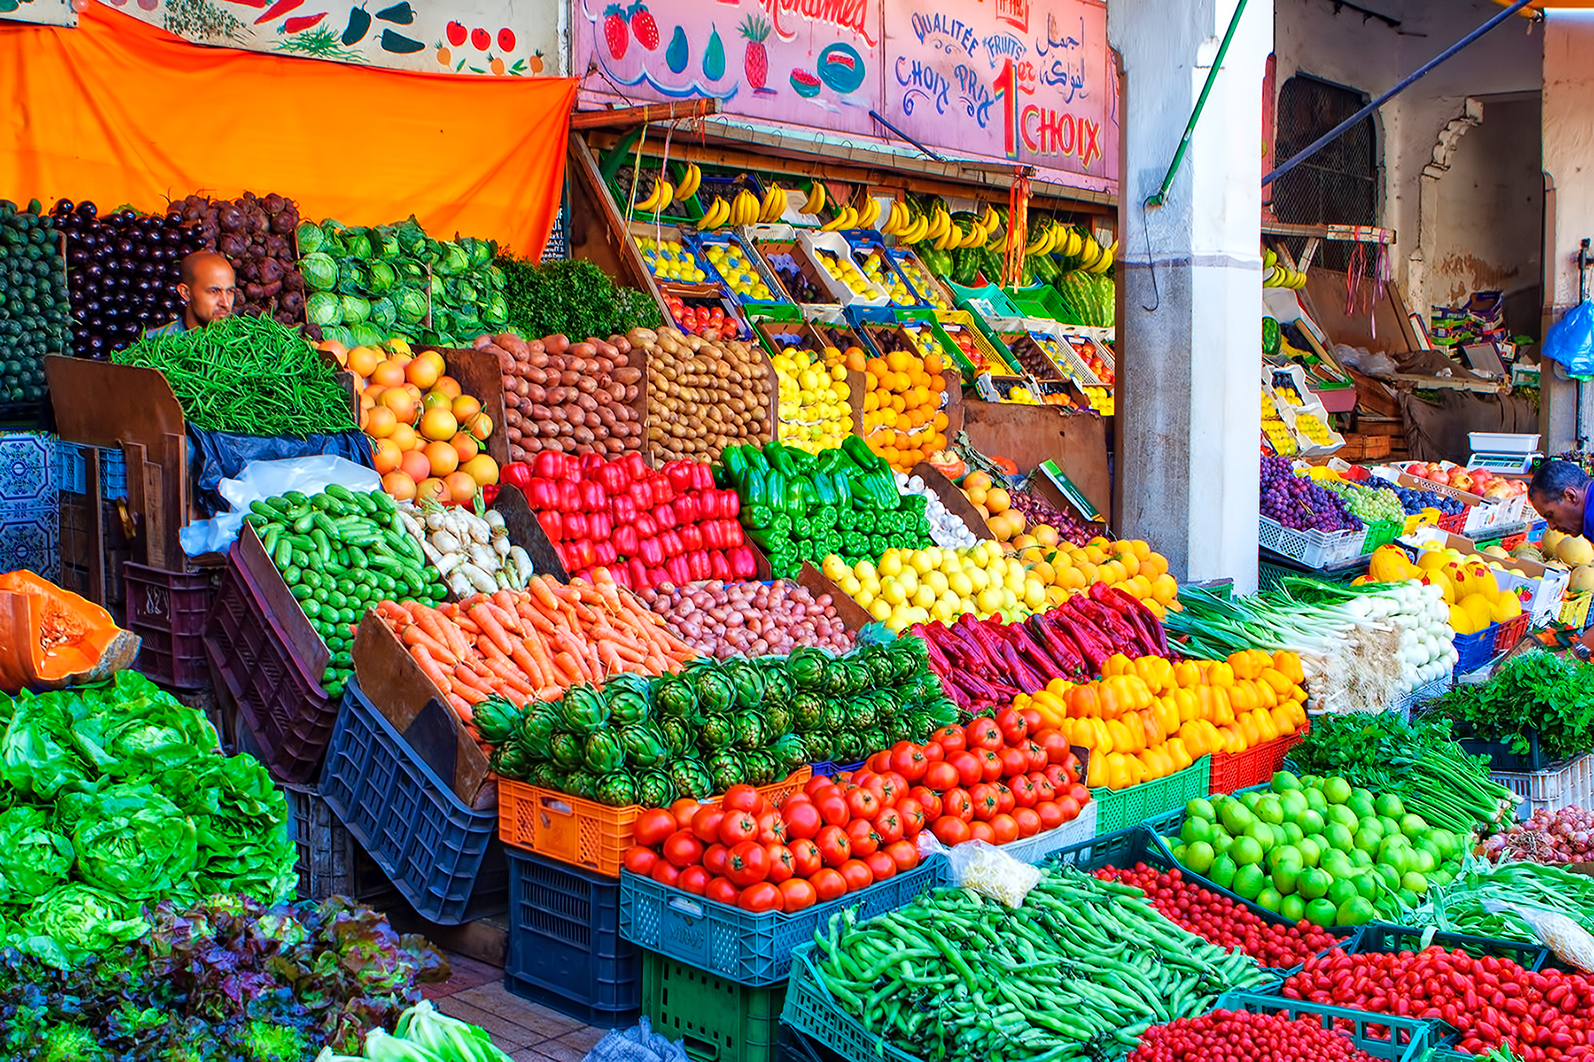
(636, 467)
(594, 499)
(622, 508)
(589, 464)
(516, 474)
(697, 564)
(577, 526)
(605, 552)
(621, 574)
(730, 504)
(719, 567)
(702, 476)
(691, 536)
(646, 526)
(680, 573)
(663, 493)
(657, 575)
(552, 525)
(550, 465)
(671, 543)
(641, 494)
(543, 495)
(685, 508)
(490, 493)
(625, 540)
(614, 478)
(679, 473)
(743, 566)
(665, 517)
(639, 574)
(708, 504)
(733, 534)
(714, 534)
(569, 496)
(651, 551)
(599, 527)
(585, 555)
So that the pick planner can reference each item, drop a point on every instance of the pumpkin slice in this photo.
(51, 638)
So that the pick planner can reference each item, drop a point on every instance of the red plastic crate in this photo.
(1455, 523)
(289, 715)
(167, 610)
(1254, 766)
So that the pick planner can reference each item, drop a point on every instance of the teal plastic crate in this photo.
(1384, 1036)
(1270, 572)
(1122, 808)
(814, 1013)
(716, 1019)
(1385, 938)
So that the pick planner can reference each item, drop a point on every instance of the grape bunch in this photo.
(1298, 502)
(1369, 504)
(1415, 501)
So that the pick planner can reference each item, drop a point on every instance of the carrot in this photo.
(413, 636)
(471, 695)
(455, 638)
(538, 621)
(542, 595)
(508, 676)
(469, 679)
(522, 656)
(430, 667)
(483, 616)
(461, 706)
(571, 667)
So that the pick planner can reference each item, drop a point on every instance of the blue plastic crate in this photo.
(443, 856)
(750, 949)
(72, 468)
(565, 948)
(826, 769)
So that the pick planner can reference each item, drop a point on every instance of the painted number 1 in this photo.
(1005, 88)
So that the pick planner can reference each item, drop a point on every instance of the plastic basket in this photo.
(1385, 938)
(1453, 523)
(565, 949)
(748, 948)
(1475, 650)
(1574, 610)
(1384, 1036)
(330, 862)
(1551, 790)
(1254, 766)
(72, 471)
(1502, 757)
(1272, 571)
(1314, 549)
(1035, 848)
(716, 1019)
(812, 1011)
(168, 611)
(580, 832)
(1381, 533)
(255, 667)
(1418, 698)
(444, 857)
(1122, 808)
(826, 769)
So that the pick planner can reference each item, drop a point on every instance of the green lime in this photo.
(1261, 834)
(1279, 836)
(1311, 822)
(1284, 780)
(1287, 878)
(1341, 890)
(1201, 808)
(1340, 815)
(1293, 908)
(1177, 851)
(1284, 853)
(1338, 837)
(1336, 790)
(1248, 882)
(1423, 861)
(1269, 899)
(1354, 912)
(1389, 804)
(1390, 876)
(1407, 897)
(1199, 857)
(1250, 800)
(1321, 913)
(1367, 885)
(1316, 801)
(1236, 817)
(1368, 840)
(1443, 841)
(1221, 842)
(1196, 829)
(1412, 826)
(1313, 884)
(1223, 869)
(1246, 851)
(1293, 833)
(1293, 803)
(1391, 825)
(1440, 877)
(1359, 858)
(1311, 849)
(1414, 881)
(1269, 810)
(1338, 864)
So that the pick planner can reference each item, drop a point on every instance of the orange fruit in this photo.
(415, 465)
(364, 360)
(405, 438)
(380, 422)
(465, 444)
(401, 402)
(434, 490)
(424, 369)
(438, 425)
(385, 456)
(399, 485)
(336, 349)
(442, 457)
(434, 400)
(448, 385)
(977, 481)
(465, 407)
(482, 469)
(413, 391)
(998, 501)
(388, 373)
(461, 487)
(481, 425)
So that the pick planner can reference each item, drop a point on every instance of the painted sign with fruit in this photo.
(505, 38)
(806, 63)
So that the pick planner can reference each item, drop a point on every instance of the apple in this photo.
(1481, 477)
(1439, 475)
(1461, 481)
(1417, 468)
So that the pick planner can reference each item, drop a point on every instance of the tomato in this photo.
(794, 799)
(982, 800)
(857, 875)
(1024, 792)
(802, 820)
(1069, 807)
(714, 857)
(1011, 723)
(950, 830)
(1032, 720)
(990, 765)
(736, 827)
(833, 809)
(805, 857)
(956, 802)
(759, 897)
(863, 803)
(934, 752)
(931, 802)
(881, 865)
(862, 836)
(1029, 823)
(1080, 794)
(706, 825)
(1051, 815)
(654, 825)
(942, 776)
(1055, 744)
(983, 734)
(879, 763)
(981, 831)
(815, 784)
(1044, 789)
(892, 788)
(666, 873)
(950, 737)
(682, 849)
(771, 828)
(1014, 761)
(874, 782)
(1056, 775)
(1038, 756)
(1005, 801)
(834, 846)
(694, 880)
(1070, 766)
(747, 863)
(967, 766)
(1005, 827)
(828, 883)
(743, 798)
(889, 826)
(797, 895)
(912, 813)
(907, 759)
(683, 810)
(640, 859)
(782, 864)
(720, 890)
(905, 854)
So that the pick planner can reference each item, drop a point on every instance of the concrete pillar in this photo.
(1569, 163)
(1189, 415)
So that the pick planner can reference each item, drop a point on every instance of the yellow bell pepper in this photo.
(1178, 753)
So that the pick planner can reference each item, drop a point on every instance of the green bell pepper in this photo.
(779, 459)
(862, 456)
(756, 516)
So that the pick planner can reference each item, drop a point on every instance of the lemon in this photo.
(922, 563)
(924, 596)
(880, 611)
(894, 592)
(850, 585)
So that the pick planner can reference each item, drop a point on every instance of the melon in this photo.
(1582, 579)
(1505, 608)
(1552, 538)
(1528, 551)
(806, 84)
(1574, 550)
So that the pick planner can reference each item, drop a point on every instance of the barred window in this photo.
(1337, 186)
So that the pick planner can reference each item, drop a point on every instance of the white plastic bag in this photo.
(1571, 943)
(985, 868)
(264, 479)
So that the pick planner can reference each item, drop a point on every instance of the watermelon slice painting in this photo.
(805, 84)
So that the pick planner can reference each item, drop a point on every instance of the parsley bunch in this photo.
(1550, 693)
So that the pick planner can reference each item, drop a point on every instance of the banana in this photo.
(666, 197)
(690, 182)
(746, 208)
(1300, 280)
(991, 221)
(816, 198)
(1269, 256)
(870, 214)
(1090, 254)
(940, 220)
(1039, 244)
(711, 217)
(1104, 263)
(978, 236)
(889, 226)
(767, 205)
(915, 231)
(1074, 245)
(652, 201)
(844, 219)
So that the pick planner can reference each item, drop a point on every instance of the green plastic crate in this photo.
(814, 1013)
(1381, 533)
(717, 1019)
(1270, 574)
(1123, 808)
(1384, 1036)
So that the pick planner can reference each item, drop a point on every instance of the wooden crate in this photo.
(1359, 449)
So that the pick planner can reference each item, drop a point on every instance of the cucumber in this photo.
(340, 492)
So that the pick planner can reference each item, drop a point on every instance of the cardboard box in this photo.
(1538, 586)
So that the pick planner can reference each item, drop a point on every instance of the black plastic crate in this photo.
(329, 861)
(445, 858)
(167, 610)
(565, 949)
(1502, 758)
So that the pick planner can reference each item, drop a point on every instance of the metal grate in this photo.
(1338, 185)
(559, 239)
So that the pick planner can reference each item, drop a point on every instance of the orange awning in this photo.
(118, 111)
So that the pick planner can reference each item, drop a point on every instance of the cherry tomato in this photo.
(930, 801)
(640, 860)
(802, 820)
(782, 864)
(797, 895)
(857, 874)
(881, 865)
(694, 880)
(761, 896)
(748, 863)
(720, 890)
(943, 776)
(1051, 816)
(862, 836)
(654, 825)
(736, 827)
(743, 798)
(950, 830)
(828, 883)
(805, 857)
(682, 849)
(706, 825)
(666, 873)
(905, 854)
(1029, 822)
(835, 848)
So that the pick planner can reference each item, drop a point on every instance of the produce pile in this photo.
(1368, 504)
(1547, 697)
(1466, 583)
(533, 644)
(799, 506)
(1357, 854)
(1415, 501)
(649, 527)
(722, 620)
(1490, 900)
(255, 234)
(247, 375)
(817, 845)
(229, 978)
(1082, 968)
(903, 416)
(705, 395)
(1246, 1037)
(564, 397)
(470, 550)
(1565, 835)
(122, 272)
(369, 283)
(814, 410)
(947, 529)
(35, 317)
(425, 1034)
(571, 297)
(117, 797)
(338, 552)
(1300, 502)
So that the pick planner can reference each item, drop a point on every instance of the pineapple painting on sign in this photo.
(805, 62)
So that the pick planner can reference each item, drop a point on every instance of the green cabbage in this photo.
(355, 309)
(324, 309)
(386, 241)
(383, 277)
(353, 276)
(320, 271)
(338, 334)
(411, 237)
(453, 259)
(365, 334)
(383, 313)
(74, 920)
(135, 843)
(411, 305)
(497, 310)
(357, 243)
(465, 292)
(33, 857)
(310, 237)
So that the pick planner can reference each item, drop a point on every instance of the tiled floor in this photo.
(526, 1031)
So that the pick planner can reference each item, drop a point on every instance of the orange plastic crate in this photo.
(1254, 766)
(583, 833)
